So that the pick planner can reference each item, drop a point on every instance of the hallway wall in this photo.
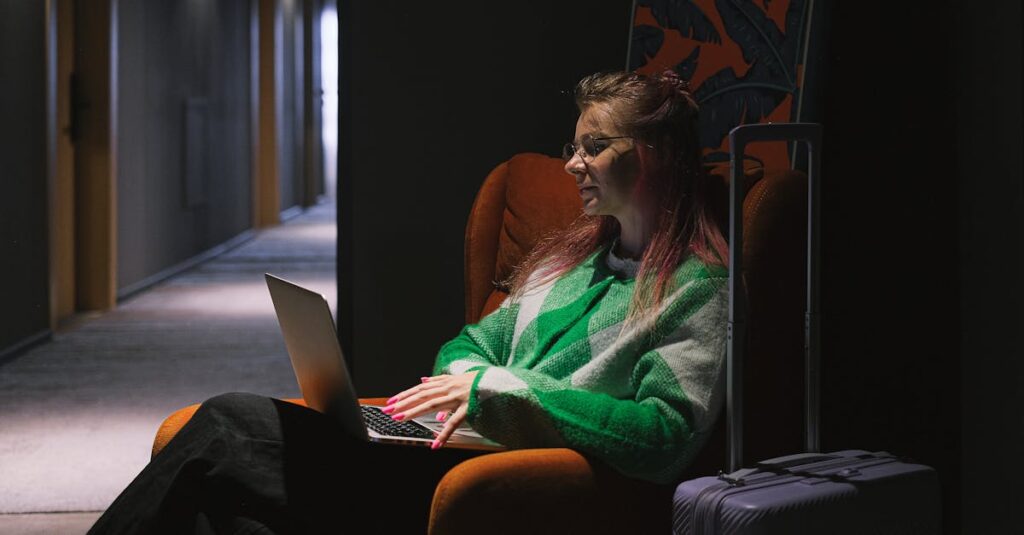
(24, 261)
(184, 182)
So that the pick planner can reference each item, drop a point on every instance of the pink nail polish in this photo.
(441, 416)
(424, 379)
(392, 400)
(388, 410)
(434, 445)
(398, 417)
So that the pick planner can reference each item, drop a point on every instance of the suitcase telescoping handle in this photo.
(739, 137)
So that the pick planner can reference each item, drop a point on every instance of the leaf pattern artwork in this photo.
(727, 101)
(685, 17)
(647, 40)
(742, 58)
(687, 67)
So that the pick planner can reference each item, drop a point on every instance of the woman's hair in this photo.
(660, 113)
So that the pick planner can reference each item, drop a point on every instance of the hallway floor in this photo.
(78, 414)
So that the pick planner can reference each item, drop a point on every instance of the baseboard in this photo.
(12, 352)
(292, 213)
(167, 273)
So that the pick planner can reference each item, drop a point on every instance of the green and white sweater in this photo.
(557, 370)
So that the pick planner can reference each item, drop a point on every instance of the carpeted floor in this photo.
(78, 414)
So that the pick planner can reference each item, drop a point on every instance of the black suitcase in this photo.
(845, 492)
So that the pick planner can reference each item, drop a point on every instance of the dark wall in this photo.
(991, 205)
(890, 296)
(24, 268)
(183, 132)
(922, 244)
(433, 96)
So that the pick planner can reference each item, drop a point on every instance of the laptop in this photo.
(312, 342)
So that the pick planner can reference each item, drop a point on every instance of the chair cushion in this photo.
(554, 490)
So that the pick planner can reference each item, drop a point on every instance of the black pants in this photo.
(251, 464)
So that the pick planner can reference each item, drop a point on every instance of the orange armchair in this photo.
(520, 201)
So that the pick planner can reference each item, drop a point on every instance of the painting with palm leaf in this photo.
(744, 59)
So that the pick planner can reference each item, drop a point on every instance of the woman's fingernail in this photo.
(388, 410)
(392, 400)
(434, 445)
(398, 417)
(441, 416)
(424, 379)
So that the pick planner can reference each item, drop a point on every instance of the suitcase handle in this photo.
(788, 461)
(810, 133)
(844, 465)
(846, 470)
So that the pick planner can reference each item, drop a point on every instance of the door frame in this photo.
(81, 84)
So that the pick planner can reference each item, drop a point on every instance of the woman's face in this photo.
(606, 180)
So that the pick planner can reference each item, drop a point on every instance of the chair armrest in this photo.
(170, 427)
(554, 490)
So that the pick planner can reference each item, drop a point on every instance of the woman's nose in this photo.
(575, 166)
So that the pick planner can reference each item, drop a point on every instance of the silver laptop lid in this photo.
(312, 342)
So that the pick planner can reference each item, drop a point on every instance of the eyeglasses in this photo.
(590, 145)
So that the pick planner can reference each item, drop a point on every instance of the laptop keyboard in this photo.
(383, 424)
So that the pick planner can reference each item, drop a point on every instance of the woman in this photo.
(611, 342)
(626, 364)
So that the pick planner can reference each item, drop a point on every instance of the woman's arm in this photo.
(485, 343)
(678, 389)
(476, 347)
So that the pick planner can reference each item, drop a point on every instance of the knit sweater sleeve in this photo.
(478, 345)
(677, 387)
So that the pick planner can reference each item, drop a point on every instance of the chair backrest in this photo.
(519, 202)
(531, 195)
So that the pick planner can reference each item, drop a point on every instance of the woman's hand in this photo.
(443, 393)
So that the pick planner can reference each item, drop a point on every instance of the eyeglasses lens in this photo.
(588, 145)
(568, 151)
